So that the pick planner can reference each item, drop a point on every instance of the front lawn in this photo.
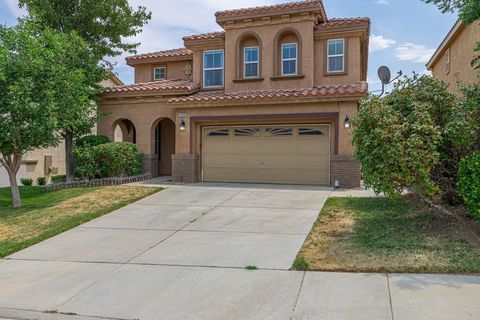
(379, 235)
(45, 214)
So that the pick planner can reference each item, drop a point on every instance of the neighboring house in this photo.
(267, 100)
(452, 60)
(49, 161)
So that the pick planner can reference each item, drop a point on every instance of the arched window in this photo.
(249, 53)
(288, 53)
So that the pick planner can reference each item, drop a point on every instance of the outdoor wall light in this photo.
(183, 126)
(347, 124)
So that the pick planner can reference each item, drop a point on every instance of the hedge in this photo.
(91, 141)
(469, 183)
(117, 159)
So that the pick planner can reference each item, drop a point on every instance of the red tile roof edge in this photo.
(180, 52)
(321, 91)
(159, 86)
(336, 22)
(206, 36)
(273, 8)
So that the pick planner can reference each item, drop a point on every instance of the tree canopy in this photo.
(37, 74)
(102, 24)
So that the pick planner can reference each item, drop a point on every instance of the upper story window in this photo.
(213, 64)
(251, 62)
(336, 55)
(289, 59)
(160, 73)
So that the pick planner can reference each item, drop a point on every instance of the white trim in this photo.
(290, 59)
(251, 62)
(213, 69)
(335, 56)
(164, 73)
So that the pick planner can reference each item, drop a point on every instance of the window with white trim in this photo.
(251, 62)
(213, 62)
(336, 55)
(289, 59)
(159, 73)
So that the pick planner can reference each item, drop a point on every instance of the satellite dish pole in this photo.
(386, 77)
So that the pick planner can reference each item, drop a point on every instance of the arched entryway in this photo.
(163, 132)
(124, 131)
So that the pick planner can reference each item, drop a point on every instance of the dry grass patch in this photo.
(45, 214)
(379, 235)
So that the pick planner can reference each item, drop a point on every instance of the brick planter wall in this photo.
(184, 168)
(346, 170)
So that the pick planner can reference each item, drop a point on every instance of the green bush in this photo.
(117, 159)
(59, 178)
(469, 183)
(91, 141)
(27, 182)
(84, 166)
(41, 181)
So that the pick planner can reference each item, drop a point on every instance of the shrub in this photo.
(84, 166)
(27, 182)
(41, 181)
(59, 178)
(91, 141)
(117, 159)
(469, 183)
(415, 136)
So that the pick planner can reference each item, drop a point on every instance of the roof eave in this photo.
(459, 26)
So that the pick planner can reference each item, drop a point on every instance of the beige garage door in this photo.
(293, 154)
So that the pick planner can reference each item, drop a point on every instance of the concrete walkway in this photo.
(180, 254)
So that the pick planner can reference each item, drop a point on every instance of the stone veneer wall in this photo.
(184, 168)
(346, 170)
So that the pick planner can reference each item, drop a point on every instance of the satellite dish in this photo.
(384, 74)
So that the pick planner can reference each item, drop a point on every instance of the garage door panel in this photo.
(265, 155)
(217, 145)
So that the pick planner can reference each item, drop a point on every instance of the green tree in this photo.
(34, 70)
(103, 25)
(468, 11)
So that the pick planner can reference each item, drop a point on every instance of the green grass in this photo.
(45, 214)
(379, 235)
(251, 267)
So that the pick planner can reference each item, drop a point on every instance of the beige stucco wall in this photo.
(145, 116)
(34, 162)
(461, 53)
(4, 181)
(175, 70)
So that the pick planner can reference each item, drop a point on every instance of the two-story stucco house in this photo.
(267, 100)
(451, 62)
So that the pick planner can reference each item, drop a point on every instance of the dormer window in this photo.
(251, 62)
(213, 62)
(289, 59)
(159, 73)
(336, 56)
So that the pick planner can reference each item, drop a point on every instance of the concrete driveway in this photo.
(180, 254)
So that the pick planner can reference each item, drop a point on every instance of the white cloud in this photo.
(12, 6)
(378, 43)
(414, 52)
(383, 2)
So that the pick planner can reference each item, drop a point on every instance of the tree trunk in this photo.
(16, 202)
(69, 156)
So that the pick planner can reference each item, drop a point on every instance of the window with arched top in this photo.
(288, 53)
(249, 52)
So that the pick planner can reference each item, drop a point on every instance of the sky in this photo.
(404, 34)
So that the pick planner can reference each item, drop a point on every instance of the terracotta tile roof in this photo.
(156, 86)
(322, 91)
(309, 4)
(343, 22)
(161, 54)
(206, 36)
